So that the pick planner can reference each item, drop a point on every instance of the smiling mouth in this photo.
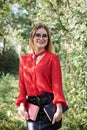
(41, 42)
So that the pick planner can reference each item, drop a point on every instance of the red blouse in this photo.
(43, 77)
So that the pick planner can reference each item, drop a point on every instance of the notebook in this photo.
(32, 111)
(50, 109)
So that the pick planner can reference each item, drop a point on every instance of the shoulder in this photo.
(25, 57)
(53, 55)
(54, 58)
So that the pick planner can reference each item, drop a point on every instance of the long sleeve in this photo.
(57, 82)
(22, 89)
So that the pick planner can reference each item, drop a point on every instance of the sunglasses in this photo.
(38, 36)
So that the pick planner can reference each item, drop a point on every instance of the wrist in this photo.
(59, 107)
(22, 104)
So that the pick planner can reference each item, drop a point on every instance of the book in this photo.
(50, 109)
(32, 111)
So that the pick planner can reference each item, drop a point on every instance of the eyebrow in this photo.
(42, 34)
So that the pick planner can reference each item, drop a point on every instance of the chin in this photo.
(42, 45)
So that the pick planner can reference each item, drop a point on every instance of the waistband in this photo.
(42, 99)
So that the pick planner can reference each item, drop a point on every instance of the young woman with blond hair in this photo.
(40, 81)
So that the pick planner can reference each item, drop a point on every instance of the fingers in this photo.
(57, 117)
(23, 113)
(53, 121)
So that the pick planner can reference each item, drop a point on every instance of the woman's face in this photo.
(40, 39)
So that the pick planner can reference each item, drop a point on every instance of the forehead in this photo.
(41, 30)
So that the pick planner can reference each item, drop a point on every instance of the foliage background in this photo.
(67, 21)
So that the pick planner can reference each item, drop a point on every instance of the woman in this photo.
(40, 80)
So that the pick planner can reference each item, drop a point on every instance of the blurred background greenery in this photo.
(67, 21)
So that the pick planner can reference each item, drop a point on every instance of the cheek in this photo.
(47, 41)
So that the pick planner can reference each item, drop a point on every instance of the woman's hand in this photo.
(22, 112)
(58, 114)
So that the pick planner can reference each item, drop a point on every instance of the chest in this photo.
(39, 64)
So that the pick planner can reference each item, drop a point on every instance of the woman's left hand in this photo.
(58, 114)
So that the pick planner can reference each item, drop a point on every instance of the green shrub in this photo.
(10, 61)
(9, 118)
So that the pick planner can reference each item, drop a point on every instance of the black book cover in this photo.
(50, 109)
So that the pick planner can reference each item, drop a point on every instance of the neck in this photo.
(37, 51)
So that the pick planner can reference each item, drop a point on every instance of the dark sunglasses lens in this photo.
(44, 35)
(37, 35)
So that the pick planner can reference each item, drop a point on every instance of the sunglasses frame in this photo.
(38, 36)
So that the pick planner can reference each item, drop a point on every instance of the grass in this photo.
(9, 118)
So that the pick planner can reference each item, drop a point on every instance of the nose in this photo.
(41, 38)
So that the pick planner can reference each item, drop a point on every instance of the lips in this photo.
(41, 42)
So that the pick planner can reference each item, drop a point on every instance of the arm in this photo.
(21, 100)
(59, 98)
(22, 89)
(56, 78)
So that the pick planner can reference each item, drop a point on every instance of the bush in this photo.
(74, 81)
(10, 61)
(9, 118)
